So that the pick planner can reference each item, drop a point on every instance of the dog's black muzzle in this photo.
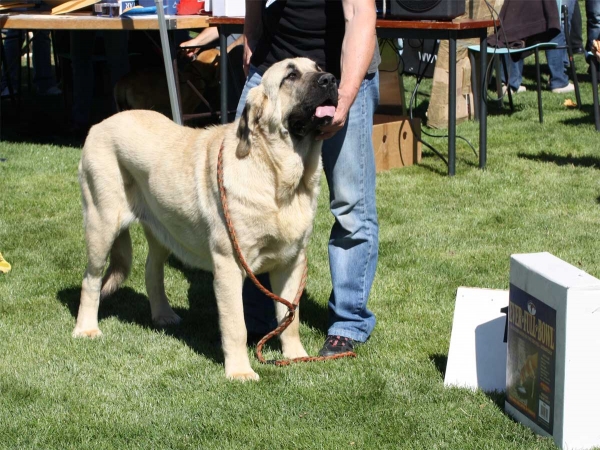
(317, 107)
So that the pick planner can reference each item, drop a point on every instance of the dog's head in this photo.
(295, 97)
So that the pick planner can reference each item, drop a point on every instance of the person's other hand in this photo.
(190, 53)
(247, 56)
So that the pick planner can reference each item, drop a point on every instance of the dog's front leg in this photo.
(285, 282)
(227, 283)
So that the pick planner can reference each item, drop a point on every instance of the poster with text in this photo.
(530, 369)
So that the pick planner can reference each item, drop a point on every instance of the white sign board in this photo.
(477, 355)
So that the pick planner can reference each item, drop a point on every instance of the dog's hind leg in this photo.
(227, 283)
(99, 242)
(118, 270)
(162, 313)
(285, 282)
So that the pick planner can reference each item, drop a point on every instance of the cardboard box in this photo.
(228, 8)
(395, 142)
(553, 350)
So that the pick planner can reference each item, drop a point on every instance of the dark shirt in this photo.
(310, 28)
(525, 23)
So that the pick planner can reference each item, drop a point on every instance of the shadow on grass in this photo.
(559, 160)
(588, 119)
(440, 361)
(428, 156)
(199, 328)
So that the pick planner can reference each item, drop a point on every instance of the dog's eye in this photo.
(292, 76)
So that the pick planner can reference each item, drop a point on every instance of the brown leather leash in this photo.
(291, 306)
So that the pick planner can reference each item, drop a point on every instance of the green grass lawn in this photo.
(139, 387)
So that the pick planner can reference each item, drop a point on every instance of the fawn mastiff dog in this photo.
(139, 166)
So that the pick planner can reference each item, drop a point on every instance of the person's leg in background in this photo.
(559, 81)
(576, 30)
(592, 12)
(12, 54)
(117, 56)
(515, 73)
(82, 49)
(349, 164)
(43, 73)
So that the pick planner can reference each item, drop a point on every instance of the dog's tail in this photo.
(120, 264)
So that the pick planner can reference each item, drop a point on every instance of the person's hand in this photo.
(190, 53)
(339, 117)
(247, 56)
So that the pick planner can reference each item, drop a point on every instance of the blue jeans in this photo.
(515, 72)
(349, 165)
(43, 74)
(558, 59)
(592, 12)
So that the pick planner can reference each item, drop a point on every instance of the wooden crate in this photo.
(394, 143)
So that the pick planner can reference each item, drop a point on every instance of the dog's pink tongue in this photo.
(325, 111)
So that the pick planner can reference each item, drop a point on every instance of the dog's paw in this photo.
(294, 351)
(166, 320)
(91, 333)
(243, 376)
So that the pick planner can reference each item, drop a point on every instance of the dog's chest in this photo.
(294, 228)
(288, 233)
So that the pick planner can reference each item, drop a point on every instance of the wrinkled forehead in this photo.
(280, 70)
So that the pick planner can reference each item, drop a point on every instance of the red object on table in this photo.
(186, 7)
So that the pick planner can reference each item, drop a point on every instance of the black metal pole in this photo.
(223, 62)
(452, 106)
(594, 73)
(538, 77)
(483, 102)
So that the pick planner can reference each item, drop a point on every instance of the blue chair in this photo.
(497, 52)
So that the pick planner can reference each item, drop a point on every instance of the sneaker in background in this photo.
(564, 90)
(518, 91)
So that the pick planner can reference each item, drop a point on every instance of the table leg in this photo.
(452, 106)
(482, 102)
(166, 49)
(223, 63)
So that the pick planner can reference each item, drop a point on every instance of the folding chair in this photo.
(497, 52)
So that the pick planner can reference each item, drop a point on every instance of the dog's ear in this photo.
(249, 120)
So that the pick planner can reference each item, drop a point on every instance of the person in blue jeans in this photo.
(557, 63)
(43, 72)
(340, 37)
(592, 12)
